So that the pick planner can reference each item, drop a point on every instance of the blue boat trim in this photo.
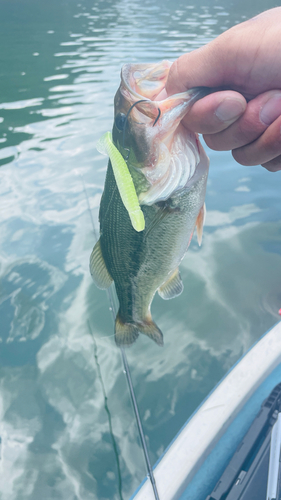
(211, 470)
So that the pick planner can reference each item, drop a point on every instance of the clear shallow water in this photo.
(58, 75)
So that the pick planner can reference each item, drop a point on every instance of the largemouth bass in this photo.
(169, 169)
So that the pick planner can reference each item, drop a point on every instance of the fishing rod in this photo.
(113, 310)
(139, 423)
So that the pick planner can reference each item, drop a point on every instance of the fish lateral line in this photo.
(123, 180)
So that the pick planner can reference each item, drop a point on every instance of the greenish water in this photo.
(59, 71)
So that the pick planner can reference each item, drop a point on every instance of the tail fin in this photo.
(149, 328)
(127, 333)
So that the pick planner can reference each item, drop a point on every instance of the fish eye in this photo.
(120, 121)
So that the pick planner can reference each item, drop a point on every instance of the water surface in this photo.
(58, 75)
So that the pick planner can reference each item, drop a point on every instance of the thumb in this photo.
(204, 67)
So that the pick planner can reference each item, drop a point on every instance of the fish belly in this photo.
(167, 241)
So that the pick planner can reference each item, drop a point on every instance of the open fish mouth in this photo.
(157, 144)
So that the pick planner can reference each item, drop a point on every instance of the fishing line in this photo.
(113, 310)
(114, 444)
(149, 469)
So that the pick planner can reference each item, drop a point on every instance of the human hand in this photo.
(247, 61)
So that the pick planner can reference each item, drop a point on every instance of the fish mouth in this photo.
(159, 146)
(145, 80)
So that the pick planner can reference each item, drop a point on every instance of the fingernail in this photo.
(230, 109)
(271, 109)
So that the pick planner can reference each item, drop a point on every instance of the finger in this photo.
(273, 165)
(243, 58)
(215, 112)
(191, 70)
(265, 149)
(259, 114)
(196, 69)
(220, 63)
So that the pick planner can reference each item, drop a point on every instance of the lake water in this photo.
(67, 427)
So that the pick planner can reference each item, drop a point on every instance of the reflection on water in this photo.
(59, 73)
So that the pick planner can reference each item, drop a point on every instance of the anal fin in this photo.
(172, 287)
(98, 268)
(200, 223)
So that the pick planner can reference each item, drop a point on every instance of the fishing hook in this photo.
(126, 121)
(159, 114)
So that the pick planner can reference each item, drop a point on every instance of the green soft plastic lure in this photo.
(123, 180)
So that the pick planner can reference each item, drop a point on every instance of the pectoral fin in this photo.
(98, 268)
(200, 223)
(172, 287)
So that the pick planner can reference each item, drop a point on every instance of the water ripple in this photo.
(63, 64)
